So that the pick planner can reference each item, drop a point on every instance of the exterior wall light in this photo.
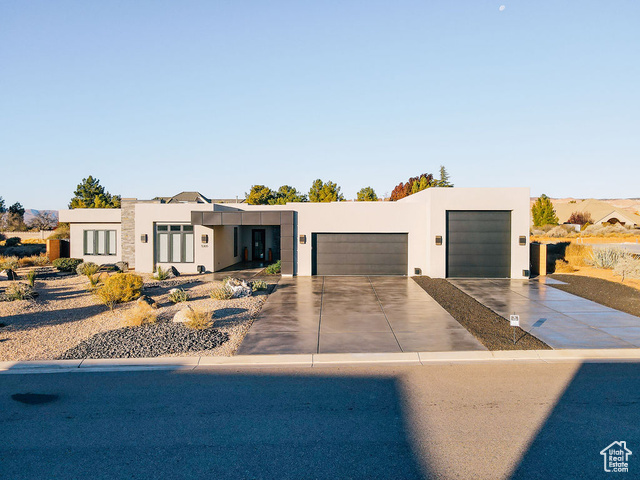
(144, 238)
(522, 240)
(205, 238)
(438, 239)
(303, 239)
(417, 271)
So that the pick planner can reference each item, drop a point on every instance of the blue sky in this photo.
(156, 97)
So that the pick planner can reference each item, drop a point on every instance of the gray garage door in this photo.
(359, 253)
(479, 244)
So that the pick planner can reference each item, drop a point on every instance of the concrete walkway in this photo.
(558, 318)
(353, 315)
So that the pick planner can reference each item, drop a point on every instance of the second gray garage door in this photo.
(359, 253)
(479, 244)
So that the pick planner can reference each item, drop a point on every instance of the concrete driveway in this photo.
(353, 315)
(558, 318)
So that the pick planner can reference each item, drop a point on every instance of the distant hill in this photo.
(29, 213)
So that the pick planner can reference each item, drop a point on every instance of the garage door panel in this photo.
(479, 244)
(366, 248)
(359, 253)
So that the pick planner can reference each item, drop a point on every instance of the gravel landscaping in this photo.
(493, 331)
(610, 294)
(164, 338)
(64, 315)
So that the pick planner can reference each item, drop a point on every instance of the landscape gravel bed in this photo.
(610, 294)
(163, 338)
(65, 314)
(493, 331)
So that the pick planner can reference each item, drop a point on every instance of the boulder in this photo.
(241, 289)
(148, 300)
(181, 316)
(122, 266)
(8, 274)
(173, 272)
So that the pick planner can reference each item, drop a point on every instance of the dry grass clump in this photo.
(564, 267)
(139, 315)
(198, 319)
(33, 241)
(578, 255)
(8, 263)
(18, 291)
(222, 293)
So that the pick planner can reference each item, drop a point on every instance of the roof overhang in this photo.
(211, 219)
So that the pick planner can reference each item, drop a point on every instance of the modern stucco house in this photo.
(440, 232)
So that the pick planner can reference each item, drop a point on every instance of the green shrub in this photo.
(12, 242)
(18, 291)
(31, 278)
(274, 268)
(120, 288)
(87, 268)
(178, 295)
(66, 264)
(40, 260)
(222, 293)
(258, 285)
(161, 274)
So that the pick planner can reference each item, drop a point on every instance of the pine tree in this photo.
(543, 212)
(260, 195)
(90, 194)
(444, 178)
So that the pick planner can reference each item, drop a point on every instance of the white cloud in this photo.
(502, 7)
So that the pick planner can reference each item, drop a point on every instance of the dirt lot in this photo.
(611, 294)
(493, 331)
(64, 314)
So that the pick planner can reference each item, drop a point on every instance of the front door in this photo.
(258, 244)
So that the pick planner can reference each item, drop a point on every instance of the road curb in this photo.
(322, 360)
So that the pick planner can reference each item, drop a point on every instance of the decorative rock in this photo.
(181, 316)
(148, 300)
(122, 266)
(239, 288)
(8, 274)
(173, 272)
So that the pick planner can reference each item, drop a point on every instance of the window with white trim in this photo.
(100, 242)
(174, 244)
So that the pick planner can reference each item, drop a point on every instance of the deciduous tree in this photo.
(367, 194)
(414, 185)
(325, 192)
(260, 195)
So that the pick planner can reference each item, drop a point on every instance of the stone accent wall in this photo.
(128, 234)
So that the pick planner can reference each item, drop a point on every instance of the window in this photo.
(235, 241)
(100, 242)
(174, 244)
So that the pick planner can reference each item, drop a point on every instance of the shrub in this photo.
(222, 293)
(140, 314)
(178, 295)
(608, 257)
(274, 268)
(40, 260)
(258, 285)
(560, 231)
(627, 267)
(161, 274)
(563, 267)
(61, 232)
(12, 242)
(578, 255)
(66, 264)
(120, 288)
(18, 291)
(87, 268)
(8, 263)
(198, 319)
(580, 218)
(31, 278)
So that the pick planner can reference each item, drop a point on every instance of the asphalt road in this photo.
(450, 421)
